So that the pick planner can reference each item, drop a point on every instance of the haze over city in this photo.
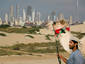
(45, 7)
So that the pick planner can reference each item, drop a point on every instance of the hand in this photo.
(61, 57)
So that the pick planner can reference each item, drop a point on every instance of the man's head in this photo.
(73, 44)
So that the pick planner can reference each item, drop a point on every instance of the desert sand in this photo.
(43, 59)
(78, 28)
(13, 38)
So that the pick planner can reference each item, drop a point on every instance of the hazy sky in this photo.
(67, 7)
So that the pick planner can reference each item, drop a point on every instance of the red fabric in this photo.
(57, 31)
(68, 29)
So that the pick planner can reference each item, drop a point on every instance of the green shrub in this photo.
(4, 26)
(2, 34)
(78, 34)
(49, 47)
(31, 30)
(30, 36)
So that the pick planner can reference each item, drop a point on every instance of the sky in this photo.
(67, 7)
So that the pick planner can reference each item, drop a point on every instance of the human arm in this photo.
(63, 58)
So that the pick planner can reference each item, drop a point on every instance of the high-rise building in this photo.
(57, 19)
(70, 20)
(54, 18)
(21, 23)
(24, 15)
(11, 16)
(29, 12)
(17, 11)
(0, 21)
(6, 18)
(48, 18)
(38, 16)
(11, 11)
(33, 15)
(61, 16)
(53, 15)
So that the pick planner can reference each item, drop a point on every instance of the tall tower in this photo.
(17, 11)
(24, 15)
(0, 21)
(33, 15)
(57, 19)
(6, 18)
(70, 20)
(61, 16)
(38, 15)
(11, 11)
(48, 18)
(29, 12)
(77, 11)
(53, 15)
(11, 15)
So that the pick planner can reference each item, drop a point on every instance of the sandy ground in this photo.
(13, 38)
(78, 28)
(44, 59)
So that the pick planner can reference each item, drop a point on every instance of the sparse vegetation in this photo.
(30, 36)
(4, 26)
(7, 52)
(48, 36)
(78, 34)
(2, 34)
(49, 47)
(31, 30)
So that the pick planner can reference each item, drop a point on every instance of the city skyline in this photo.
(67, 7)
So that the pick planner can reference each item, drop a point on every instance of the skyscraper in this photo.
(24, 15)
(70, 20)
(11, 15)
(37, 16)
(17, 11)
(6, 18)
(29, 12)
(61, 16)
(48, 18)
(0, 21)
(33, 15)
(11, 11)
(53, 15)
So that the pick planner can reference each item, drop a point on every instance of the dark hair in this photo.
(75, 42)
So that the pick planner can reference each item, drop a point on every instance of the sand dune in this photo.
(13, 38)
(45, 59)
(78, 28)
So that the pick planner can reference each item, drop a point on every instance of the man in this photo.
(75, 57)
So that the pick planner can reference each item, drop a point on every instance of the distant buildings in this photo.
(70, 20)
(24, 15)
(6, 19)
(61, 16)
(29, 13)
(0, 21)
(33, 15)
(30, 17)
